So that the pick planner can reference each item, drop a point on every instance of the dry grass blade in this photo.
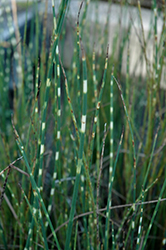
(4, 187)
(104, 209)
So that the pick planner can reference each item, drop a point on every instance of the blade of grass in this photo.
(95, 83)
(134, 158)
(36, 189)
(48, 84)
(111, 142)
(77, 134)
(140, 223)
(109, 196)
(76, 234)
(91, 145)
(98, 186)
(144, 185)
(80, 153)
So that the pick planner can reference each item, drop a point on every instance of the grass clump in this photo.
(82, 147)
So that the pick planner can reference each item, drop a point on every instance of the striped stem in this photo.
(134, 154)
(59, 109)
(97, 111)
(36, 212)
(113, 237)
(55, 166)
(128, 166)
(154, 214)
(36, 34)
(111, 140)
(78, 65)
(140, 223)
(54, 16)
(106, 246)
(42, 132)
(98, 185)
(24, 41)
(35, 188)
(69, 102)
(80, 153)
(144, 185)
(78, 137)
(48, 84)
(76, 128)
(95, 83)
(94, 75)
(43, 51)
(35, 108)
(35, 218)
(52, 191)
(155, 85)
(111, 129)
(94, 131)
(149, 73)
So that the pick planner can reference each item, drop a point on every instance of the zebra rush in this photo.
(82, 132)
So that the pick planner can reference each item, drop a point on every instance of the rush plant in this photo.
(82, 143)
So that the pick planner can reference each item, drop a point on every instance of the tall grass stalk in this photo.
(80, 152)
(109, 195)
(36, 190)
(78, 64)
(154, 214)
(71, 192)
(95, 83)
(144, 182)
(134, 157)
(97, 109)
(111, 152)
(140, 223)
(48, 84)
(98, 186)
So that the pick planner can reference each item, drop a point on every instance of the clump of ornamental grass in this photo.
(82, 148)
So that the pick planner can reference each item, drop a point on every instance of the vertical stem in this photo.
(98, 186)
(98, 124)
(155, 85)
(48, 84)
(134, 157)
(111, 128)
(35, 188)
(106, 246)
(78, 66)
(140, 222)
(111, 146)
(80, 153)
